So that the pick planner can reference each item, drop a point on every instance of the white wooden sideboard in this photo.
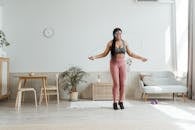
(4, 78)
(101, 91)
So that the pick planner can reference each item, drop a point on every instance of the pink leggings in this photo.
(118, 72)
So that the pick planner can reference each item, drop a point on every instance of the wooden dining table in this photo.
(43, 78)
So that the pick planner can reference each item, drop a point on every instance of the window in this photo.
(181, 16)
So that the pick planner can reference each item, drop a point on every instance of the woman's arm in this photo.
(131, 54)
(105, 53)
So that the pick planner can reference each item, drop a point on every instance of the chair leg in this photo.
(16, 103)
(41, 97)
(58, 97)
(23, 93)
(35, 98)
(48, 98)
(19, 100)
(23, 97)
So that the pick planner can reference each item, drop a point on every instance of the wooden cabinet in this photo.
(4, 78)
(101, 91)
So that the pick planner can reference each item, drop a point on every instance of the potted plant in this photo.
(3, 43)
(70, 80)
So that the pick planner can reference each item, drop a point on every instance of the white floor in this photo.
(139, 115)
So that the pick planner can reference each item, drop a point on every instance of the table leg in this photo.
(45, 93)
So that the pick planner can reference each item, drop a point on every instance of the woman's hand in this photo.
(101, 55)
(91, 58)
(144, 59)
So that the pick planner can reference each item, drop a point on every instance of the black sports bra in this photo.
(120, 49)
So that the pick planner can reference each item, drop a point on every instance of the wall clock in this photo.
(48, 32)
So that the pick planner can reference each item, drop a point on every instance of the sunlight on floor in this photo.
(186, 126)
(182, 118)
(175, 112)
(191, 108)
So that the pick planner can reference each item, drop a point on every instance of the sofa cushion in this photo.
(165, 89)
(157, 74)
(163, 74)
(151, 81)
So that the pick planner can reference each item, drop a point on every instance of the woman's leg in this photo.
(122, 78)
(115, 77)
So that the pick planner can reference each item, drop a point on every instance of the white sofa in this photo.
(160, 83)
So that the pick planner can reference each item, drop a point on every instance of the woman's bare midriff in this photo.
(119, 56)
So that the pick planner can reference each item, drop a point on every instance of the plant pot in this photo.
(74, 96)
(63, 95)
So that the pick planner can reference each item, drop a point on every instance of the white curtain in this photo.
(181, 7)
(191, 51)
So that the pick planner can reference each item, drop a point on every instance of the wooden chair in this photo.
(19, 95)
(51, 90)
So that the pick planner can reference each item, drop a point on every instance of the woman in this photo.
(118, 47)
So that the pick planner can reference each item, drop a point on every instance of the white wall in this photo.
(82, 28)
(1, 14)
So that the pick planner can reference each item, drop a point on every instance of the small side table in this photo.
(101, 91)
